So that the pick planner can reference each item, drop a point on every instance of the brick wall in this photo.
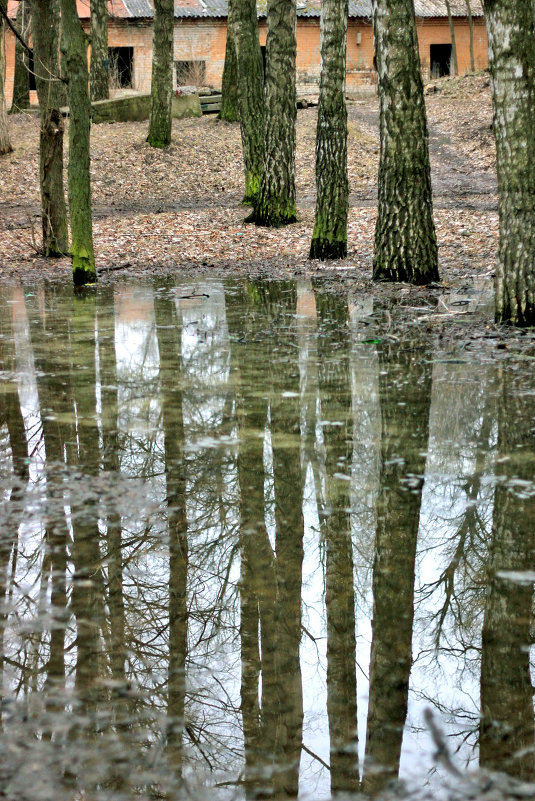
(204, 40)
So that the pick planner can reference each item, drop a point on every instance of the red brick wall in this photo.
(204, 40)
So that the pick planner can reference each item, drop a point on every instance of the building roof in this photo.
(144, 9)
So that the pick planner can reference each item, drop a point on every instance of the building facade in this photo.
(201, 30)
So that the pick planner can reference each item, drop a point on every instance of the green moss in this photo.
(252, 188)
(273, 213)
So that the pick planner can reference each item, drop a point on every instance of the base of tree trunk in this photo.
(157, 141)
(271, 215)
(4, 151)
(83, 270)
(252, 188)
(324, 249)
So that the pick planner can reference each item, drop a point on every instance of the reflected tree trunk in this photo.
(170, 350)
(507, 733)
(336, 411)
(405, 399)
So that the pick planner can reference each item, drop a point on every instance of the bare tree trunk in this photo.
(21, 79)
(334, 348)
(99, 50)
(75, 42)
(170, 351)
(405, 240)
(45, 34)
(229, 104)
(5, 142)
(405, 398)
(160, 122)
(274, 205)
(512, 69)
(454, 69)
(506, 734)
(329, 239)
(471, 30)
(250, 94)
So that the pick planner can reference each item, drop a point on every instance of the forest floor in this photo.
(178, 209)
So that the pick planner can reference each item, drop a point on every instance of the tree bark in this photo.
(5, 142)
(334, 347)
(170, 353)
(75, 43)
(21, 80)
(45, 35)
(512, 69)
(162, 74)
(99, 50)
(506, 733)
(274, 205)
(250, 94)
(454, 68)
(471, 34)
(405, 240)
(405, 399)
(229, 103)
(329, 239)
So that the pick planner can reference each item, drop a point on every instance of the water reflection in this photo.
(209, 492)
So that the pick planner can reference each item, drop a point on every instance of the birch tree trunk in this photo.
(162, 74)
(229, 90)
(5, 142)
(506, 732)
(99, 82)
(45, 35)
(405, 240)
(512, 68)
(21, 79)
(274, 205)
(250, 94)
(454, 69)
(405, 399)
(329, 239)
(75, 43)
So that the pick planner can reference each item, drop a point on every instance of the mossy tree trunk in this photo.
(162, 74)
(75, 44)
(405, 240)
(329, 239)
(5, 142)
(454, 68)
(45, 35)
(274, 205)
(229, 104)
(510, 26)
(21, 80)
(99, 50)
(250, 94)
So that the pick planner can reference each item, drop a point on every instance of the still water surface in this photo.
(255, 541)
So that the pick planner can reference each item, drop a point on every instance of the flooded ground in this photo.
(257, 540)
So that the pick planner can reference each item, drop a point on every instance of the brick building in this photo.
(200, 36)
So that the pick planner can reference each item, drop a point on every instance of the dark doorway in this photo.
(31, 70)
(440, 57)
(121, 66)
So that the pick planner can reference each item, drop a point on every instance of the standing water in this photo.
(258, 542)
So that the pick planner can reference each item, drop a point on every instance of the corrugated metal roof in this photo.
(144, 9)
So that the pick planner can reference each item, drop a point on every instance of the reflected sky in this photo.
(251, 532)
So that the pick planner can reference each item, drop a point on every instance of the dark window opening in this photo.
(31, 70)
(440, 58)
(263, 51)
(120, 66)
(190, 73)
